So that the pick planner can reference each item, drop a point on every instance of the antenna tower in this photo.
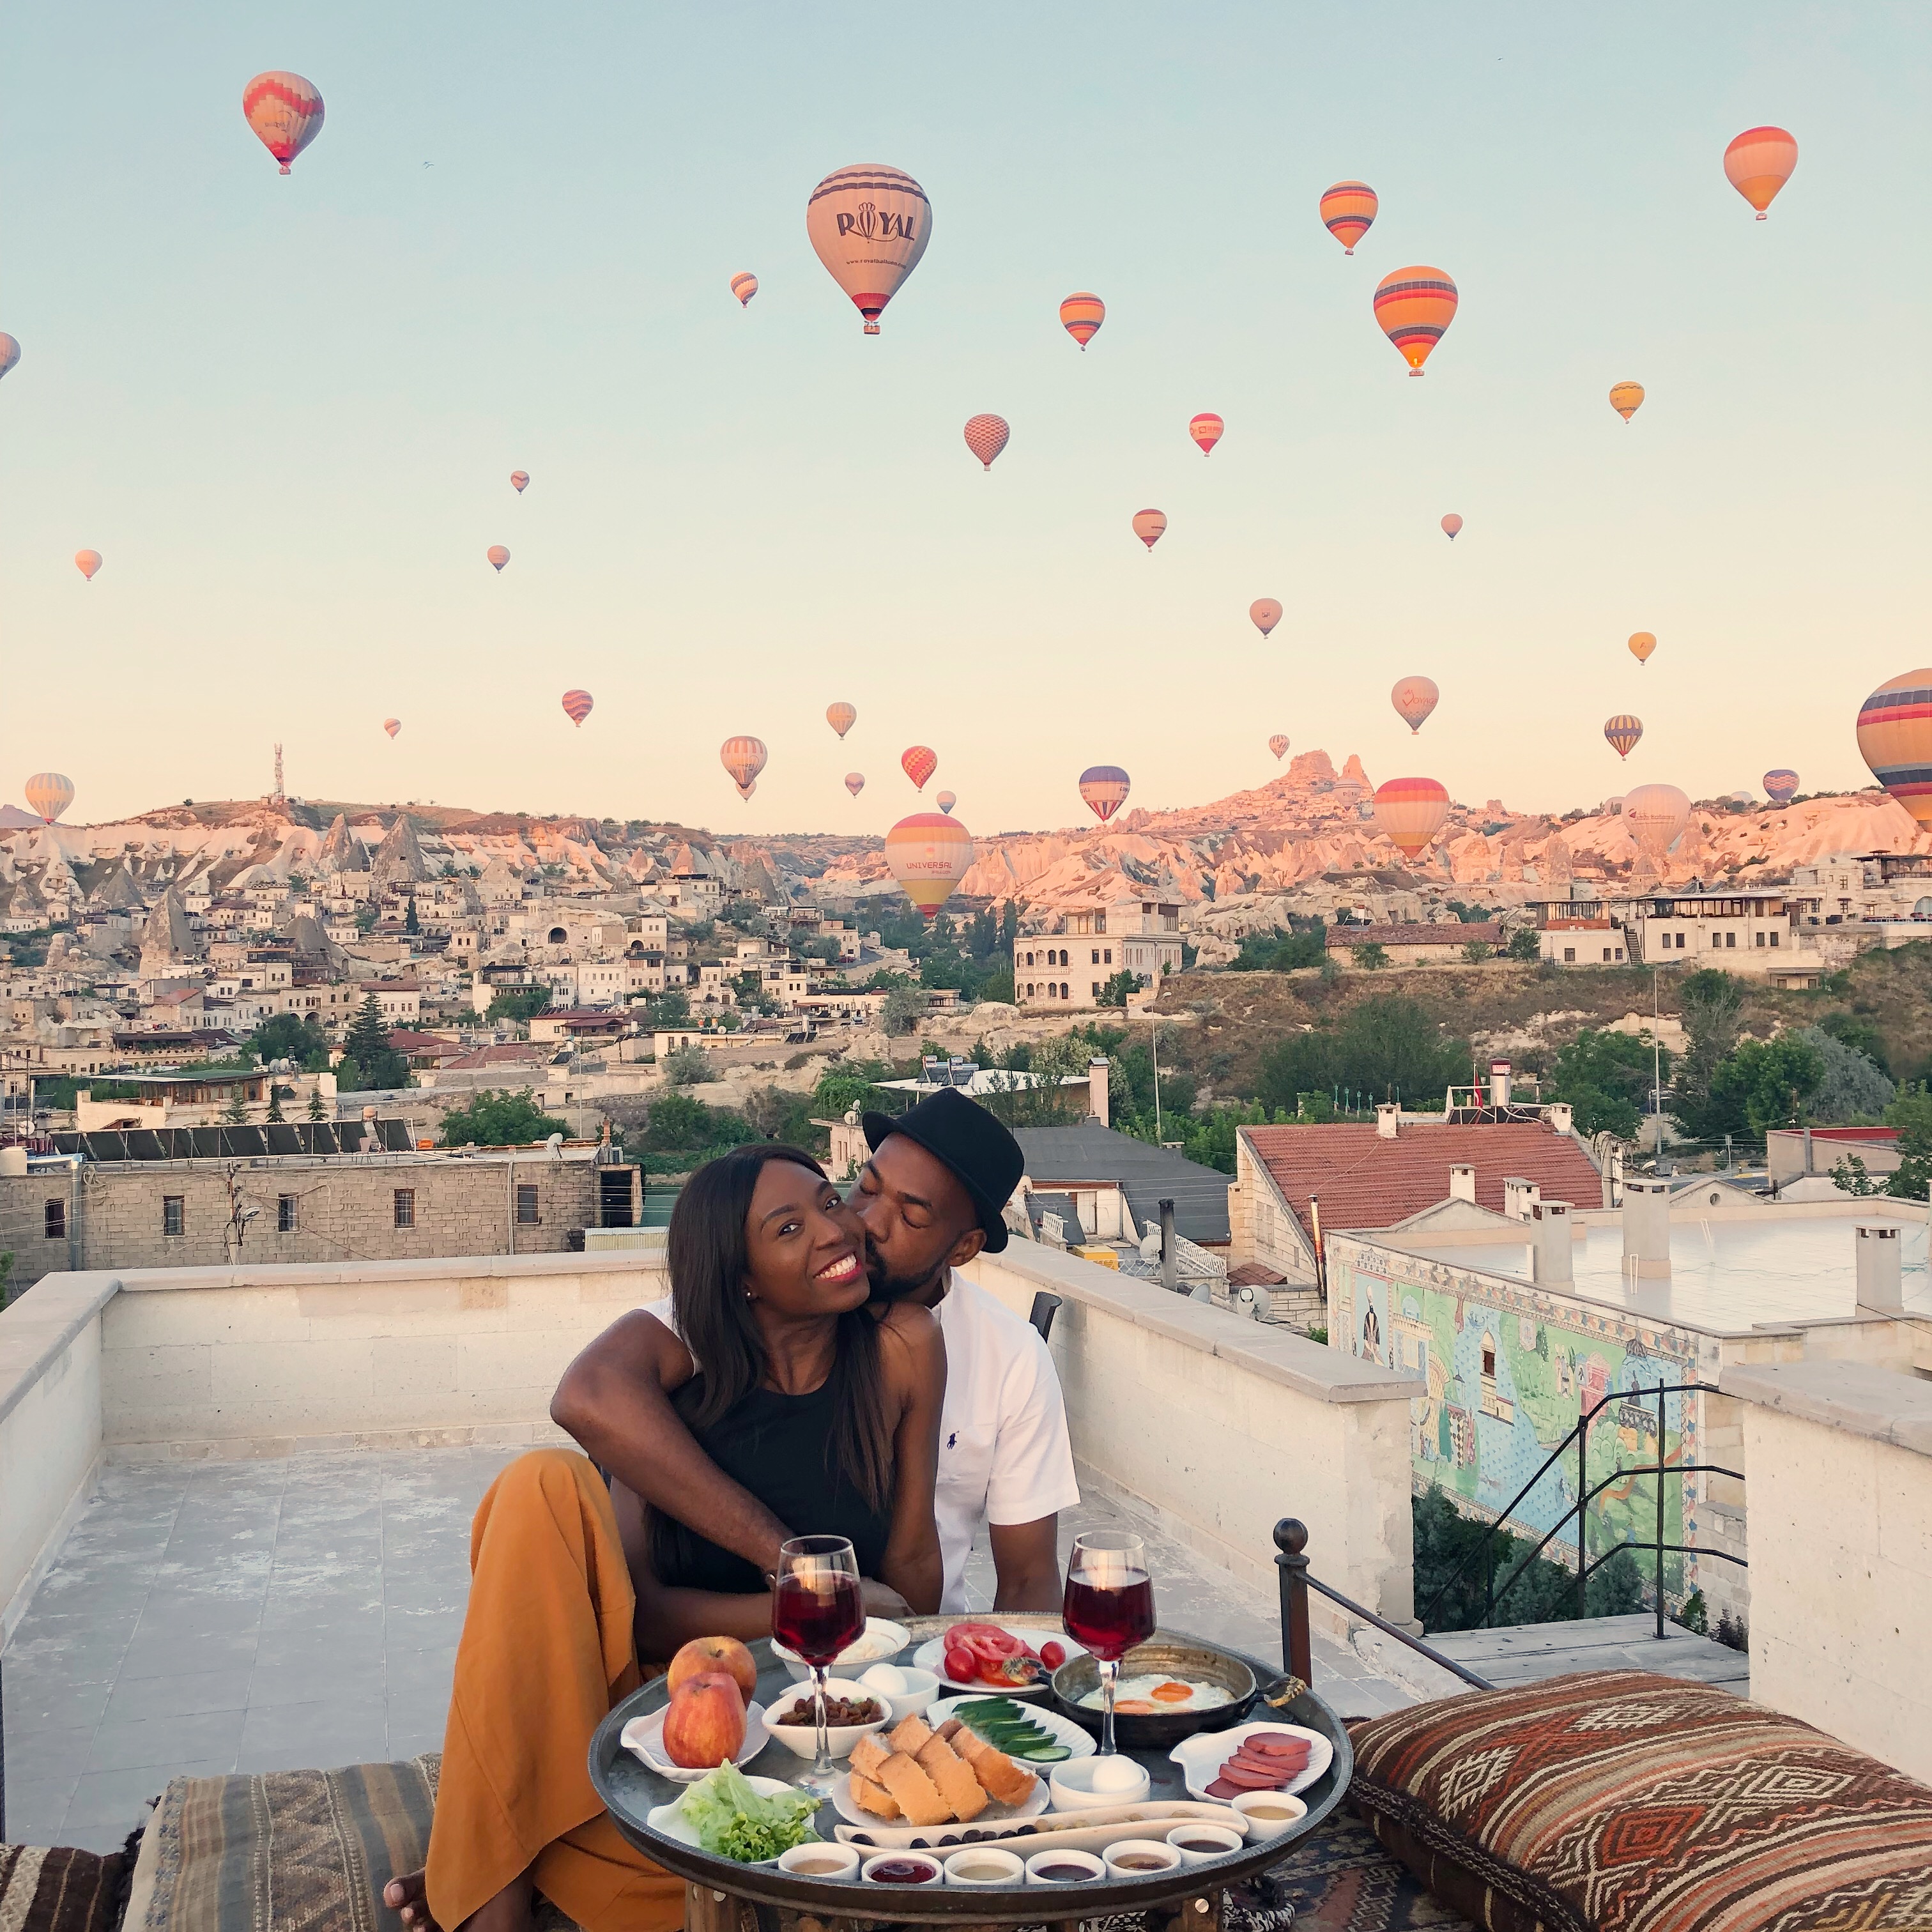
(281, 796)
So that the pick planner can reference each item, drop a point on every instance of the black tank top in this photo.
(778, 1446)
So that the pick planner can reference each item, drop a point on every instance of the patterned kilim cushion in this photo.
(1617, 1801)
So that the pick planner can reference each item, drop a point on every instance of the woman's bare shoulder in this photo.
(912, 1331)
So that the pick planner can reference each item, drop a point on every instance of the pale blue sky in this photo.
(285, 410)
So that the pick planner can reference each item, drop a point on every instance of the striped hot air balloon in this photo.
(744, 286)
(1641, 644)
(1780, 786)
(1414, 308)
(1207, 430)
(1081, 315)
(519, 480)
(497, 555)
(744, 758)
(49, 794)
(842, 716)
(1758, 162)
(576, 707)
(1348, 208)
(1626, 398)
(928, 853)
(855, 782)
(1623, 731)
(87, 562)
(1265, 613)
(985, 437)
(1656, 815)
(1414, 699)
(392, 725)
(1278, 744)
(919, 763)
(869, 225)
(1105, 788)
(1410, 811)
(285, 111)
(1895, 740)
(945, 801)
(1148, 525)
(1451, 523)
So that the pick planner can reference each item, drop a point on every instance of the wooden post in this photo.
(707, 1909)
(1290, 1540)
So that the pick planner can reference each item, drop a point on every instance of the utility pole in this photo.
(281, 797)
(1154, 1029)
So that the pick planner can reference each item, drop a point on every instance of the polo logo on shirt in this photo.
(953, 1441)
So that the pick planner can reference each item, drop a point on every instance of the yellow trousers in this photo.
(547, 1649)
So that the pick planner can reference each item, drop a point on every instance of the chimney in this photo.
(1646, 1229)
(1499, 1083)
(1462, 1183)
(1170, 1251)
(1550, 1255)
(1808, 1168)
(1096, 1090)
(1388, 1113)
(1519, 1197)
(1562, 1117)
(1879, 1290)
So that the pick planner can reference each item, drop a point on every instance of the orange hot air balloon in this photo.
(947, 800)
(1626, 398)
(1278, 744)
(744, 758)
(1148, 525)
(87, 562)
(286, 113)
(1758, 162)
(497, 555)
(745, 791)
(1266, 613)
(855, 782)
(576, 707)
(1656, 815)
(919, 763)
(1451, 523)
(1414, 699)
(745, 286)
(519, 480)
(1206, 430)
(49, 794)
(1623, 731)
(1081, 315)
(1105, 788)
(1641, 644)
(1348, 208)
(1414, 308)
(985, 437)
(1895, 740)
(842, 716)
(928, 853)
(392, 725)
(1410, 811)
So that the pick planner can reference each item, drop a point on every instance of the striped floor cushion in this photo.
(1618, 1801)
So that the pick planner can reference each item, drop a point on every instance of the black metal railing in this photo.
(1586, 1493)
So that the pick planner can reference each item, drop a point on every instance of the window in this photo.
(1063, 992)
(1774, 939)
(173, 1219)
(287, 1213)
(1760, 939)
(54, 1220)
(1731, 940)
(1093, 987)
(1107, 955)
(1096, 956)
(1607, 953)
(406, 1206)
(1488, 1360)
(527, 1216)
(1569, 955)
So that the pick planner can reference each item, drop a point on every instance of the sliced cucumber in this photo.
(1048, 1754)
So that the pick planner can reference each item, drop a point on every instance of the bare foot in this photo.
(409, 1896)
(509, 1911)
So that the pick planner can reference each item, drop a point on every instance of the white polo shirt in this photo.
(1004, 1454)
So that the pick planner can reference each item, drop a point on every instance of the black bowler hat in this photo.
(958, 1131)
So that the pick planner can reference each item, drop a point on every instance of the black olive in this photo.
(862, 1838)
(949, 1838)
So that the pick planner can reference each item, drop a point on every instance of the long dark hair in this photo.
(710, 1257)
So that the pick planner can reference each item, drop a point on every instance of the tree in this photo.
(1477, 951)
(1525, 944)
(851, 1084)
(678, 1124)
(1388, 1046)
(1764, 1084)
(1853, 1090)
(284, 1037)
(670, 1008)
(1861, 1035)
(1281, 953)
(236, 1111)
(905, 1006)
(1115, 992)
(1911, 1114)
(1605, 1076)
(276, 1095)
(1708, 1003)
(516, 1005)
(315, 1110)
(499, 1118)
(411, 923)
(367, 1044)
(1372, 957)
(686, 1067)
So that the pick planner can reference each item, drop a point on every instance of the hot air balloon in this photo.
(1148, 525)
(928, 854)
(1081, 315)
(577, 705)
(1626, 398)
(947, 800)
(1641, 644)
(919, 763)
(1623, 731)
(1895, 740)
(285, 111)
(1656, 815)
(745, 791)
(9, 351)
(392, 725)
(986, 436)
(497, 555)
(842, 716)
(1104, 788)
(49, 794)
(1414, 308)
(870, 225)
(1414, 699)
(1780, 786)
(1347, 210)
(855, 782)
(1206, 430)
(744, 758)
(1451, 523)
(1278, 744)
(519, 480)
(1410, 811)
(745, 286)
(87, 562)
(1758, 162)
(1266, 612)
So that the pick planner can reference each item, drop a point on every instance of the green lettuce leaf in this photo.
(732, 1821)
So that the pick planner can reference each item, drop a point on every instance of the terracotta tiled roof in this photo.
(1445, 934)
(1252, 1274)
(1364, 1181)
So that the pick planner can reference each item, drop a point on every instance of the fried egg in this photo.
(1155, 1697)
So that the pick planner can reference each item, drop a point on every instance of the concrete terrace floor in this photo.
(269, 1615)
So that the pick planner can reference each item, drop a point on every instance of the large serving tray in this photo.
(631, 1791)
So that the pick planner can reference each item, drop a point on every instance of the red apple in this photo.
(714, 1653)
(704, 1723)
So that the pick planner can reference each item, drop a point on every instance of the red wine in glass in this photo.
(818, 1615)
(1110, 1618)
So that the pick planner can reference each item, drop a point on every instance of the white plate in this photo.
(643, 1738)
(930, 1655)
(672, 1823)
(1201, 1756)
(1081, 1830)
(1063, 1730)
(882, 1641)
(995, 1814)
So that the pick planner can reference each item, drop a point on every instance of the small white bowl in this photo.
(882, 1641)
(842, 1861)
(1166, 1858)
(1225, 1838)
(925, 1857)
(1092, 1867)
(1072, 1783)
(1248, 1802)
(921, 1692)
(801, 1740)
(1001, 1867)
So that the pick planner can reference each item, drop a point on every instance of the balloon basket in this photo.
(287, 170)
(1415, 372)
(871, 328)
(1765, 217)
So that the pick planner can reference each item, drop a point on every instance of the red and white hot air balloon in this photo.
(1410, 811)
(1080, 315)
(1656, 815)
(1414, 699)
(1265, 612)
(577, 706)
(1206, 430)
(519, 480)
(1414, 308)
(49, 794)
(1278, 744)
(1105, 788)
(1758, 162)
(1148, 525)
(87, 562)
(744, 758)
(745, 286)
(928, 853)
(392, 725)
(855, 782)
(985, 437)
(497, 555)
(1451, 523)
(1347, 210)
(285, 111)
(945, 801)
(869, 226)
(842, 716)
(919, 763)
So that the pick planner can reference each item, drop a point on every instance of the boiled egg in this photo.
(887, 1679)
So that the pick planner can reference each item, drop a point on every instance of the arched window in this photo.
(558, 935)
(1062, 989)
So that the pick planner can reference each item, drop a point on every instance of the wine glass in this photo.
(1108, 1607)
(817, 1610)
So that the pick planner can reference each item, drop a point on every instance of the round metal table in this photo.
(721, 1896)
